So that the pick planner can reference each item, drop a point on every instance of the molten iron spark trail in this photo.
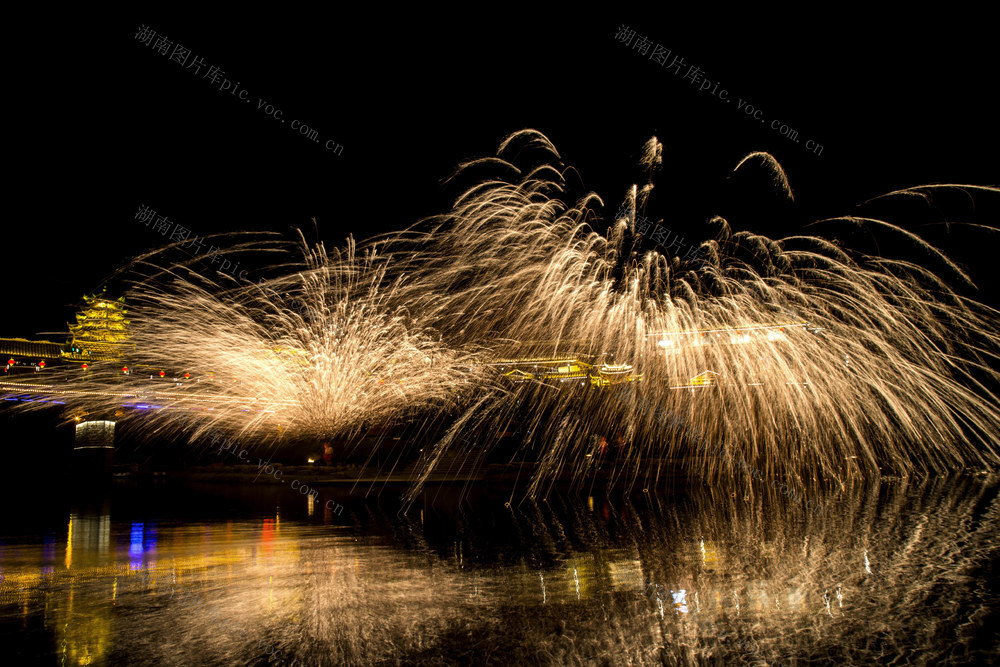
(801, 357)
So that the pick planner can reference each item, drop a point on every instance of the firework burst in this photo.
(800, 356)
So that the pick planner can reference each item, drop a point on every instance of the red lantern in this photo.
(162, 373)
(11, 362)
(41, 364)
(125, 369)
(187, 376)
(83, 366)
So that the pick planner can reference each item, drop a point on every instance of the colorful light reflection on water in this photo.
(895, 570)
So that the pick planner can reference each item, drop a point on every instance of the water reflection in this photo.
(878, 572)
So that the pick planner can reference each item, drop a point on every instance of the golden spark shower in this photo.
(530, 307)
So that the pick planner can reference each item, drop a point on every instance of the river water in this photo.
(176, 573)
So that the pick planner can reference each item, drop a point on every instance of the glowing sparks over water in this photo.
(800, 357)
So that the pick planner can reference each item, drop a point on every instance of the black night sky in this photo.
(102, 123)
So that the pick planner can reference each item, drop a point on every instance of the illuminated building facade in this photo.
(101, 330)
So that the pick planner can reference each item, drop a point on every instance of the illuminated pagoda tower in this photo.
(101, 330)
